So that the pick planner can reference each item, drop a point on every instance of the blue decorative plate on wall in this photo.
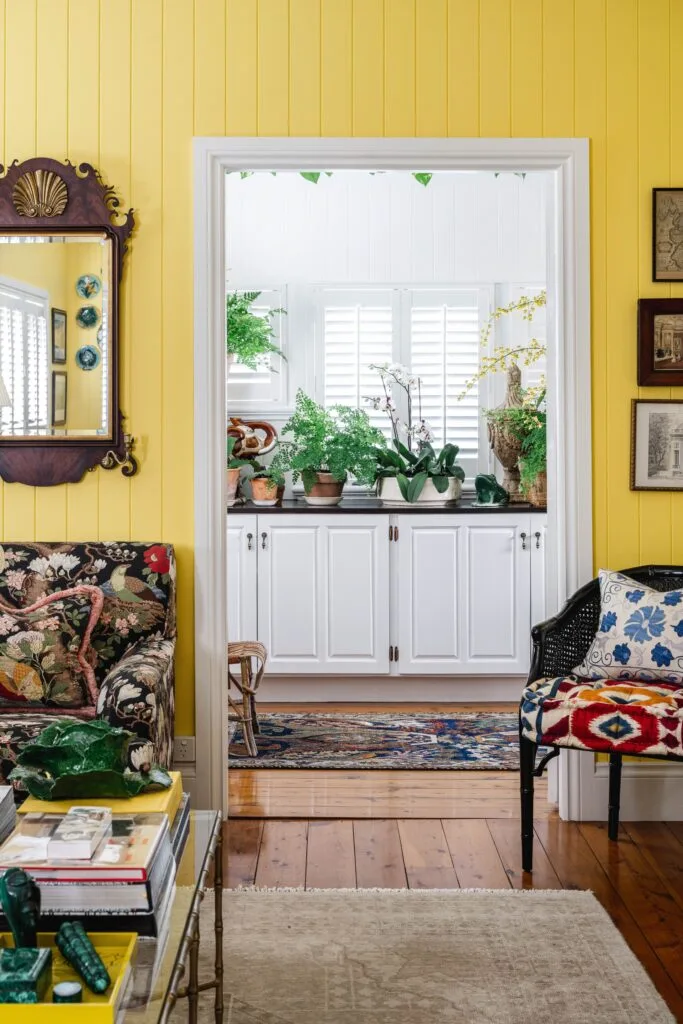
(88, 286)
(87, 357)
(88, 317)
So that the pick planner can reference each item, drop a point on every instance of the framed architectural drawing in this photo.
(657, 445)
(660, 342)
(667, 234)
(58, 398)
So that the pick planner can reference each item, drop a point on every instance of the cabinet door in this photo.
(241, 549)
(429, 594)
(356, 594)
(323, 593)
(290, 598)
(497, 595)
(539, 606)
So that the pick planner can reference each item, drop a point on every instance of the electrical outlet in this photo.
(183, 749)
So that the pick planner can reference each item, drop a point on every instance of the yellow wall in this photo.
(125, 84)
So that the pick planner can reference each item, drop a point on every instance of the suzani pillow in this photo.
(640, 635)
(44, 652)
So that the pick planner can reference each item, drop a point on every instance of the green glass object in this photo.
(77, 949)
(25, 975)
(20, 901)
(489, 491)
(77, 760)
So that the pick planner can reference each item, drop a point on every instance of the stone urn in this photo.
(506, 447)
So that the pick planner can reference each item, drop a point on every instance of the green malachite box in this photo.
(25, 975)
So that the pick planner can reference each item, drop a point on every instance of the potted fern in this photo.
(325, 446)
(234, 469)
(249, 335)
(265, 482)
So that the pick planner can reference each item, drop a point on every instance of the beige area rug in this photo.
(356, 956)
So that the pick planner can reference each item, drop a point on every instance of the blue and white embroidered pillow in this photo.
(640, 635)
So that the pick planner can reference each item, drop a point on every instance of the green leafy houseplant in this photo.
(411, 469)
(249, 335)
(533, 460)
(338, 441)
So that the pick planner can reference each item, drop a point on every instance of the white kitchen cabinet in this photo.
(323, 593)
(463, 589)
(371, 594)
(242, 583)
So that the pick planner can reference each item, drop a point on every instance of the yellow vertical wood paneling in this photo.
(241, 63)
(590, 117)
(115, 164)
(654, 162)
(463, 67)
(676, 178)
(527, 68)
(336, 81)
(621, 273)
(3, 152)
(558, 68)
(20, 143)
(83, 141)
(399, 68)
(273, 67)
(146, 360)
(494, 67)
(368, 67)
(177, 369)
(209, 65)
(304, 67)
(431, 74)
(52, 29)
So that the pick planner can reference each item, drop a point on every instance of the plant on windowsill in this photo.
(233, 472)
(249, 336)
(326, 445)
(266, 482)
(504, 423)
(533, 460)
(524, 427)
(404, 475)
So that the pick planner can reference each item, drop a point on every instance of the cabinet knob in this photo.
(263, 540)
(250, 538)
(537, 535)
(523, 536)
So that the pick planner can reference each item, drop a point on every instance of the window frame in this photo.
(38, 295)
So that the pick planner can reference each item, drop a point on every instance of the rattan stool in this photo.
(244, 707)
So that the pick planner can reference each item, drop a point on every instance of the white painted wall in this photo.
(357, 227)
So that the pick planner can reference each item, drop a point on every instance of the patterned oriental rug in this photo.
(464, 740)
(411, 956)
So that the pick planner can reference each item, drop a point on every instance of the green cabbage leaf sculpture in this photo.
(76, 760)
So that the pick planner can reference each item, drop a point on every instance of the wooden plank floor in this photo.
(639, 880)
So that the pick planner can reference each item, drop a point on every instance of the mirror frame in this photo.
(44, 196)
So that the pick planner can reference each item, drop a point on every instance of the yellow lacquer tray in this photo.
(116, 951)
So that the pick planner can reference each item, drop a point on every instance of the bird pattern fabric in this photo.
(132, 644)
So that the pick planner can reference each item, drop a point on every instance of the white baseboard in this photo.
(651, 791)
(390, 690)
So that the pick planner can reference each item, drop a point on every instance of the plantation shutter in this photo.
(357, 330)
(262, 386)
(445, 352)
(24, 361)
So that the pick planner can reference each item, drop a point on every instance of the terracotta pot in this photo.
(325, 491)
(390, 493)
(538, 492)
(233, 476)
(263, 491)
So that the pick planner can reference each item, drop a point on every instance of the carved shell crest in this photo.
(40, 194)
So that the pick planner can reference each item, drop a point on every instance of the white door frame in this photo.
(570, 553)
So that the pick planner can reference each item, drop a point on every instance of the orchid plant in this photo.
(412, 460)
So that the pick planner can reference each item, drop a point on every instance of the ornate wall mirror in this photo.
(62, 244)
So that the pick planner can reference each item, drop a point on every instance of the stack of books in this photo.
(8, 812)
(112, 869)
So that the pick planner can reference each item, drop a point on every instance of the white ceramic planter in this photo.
(390, 493)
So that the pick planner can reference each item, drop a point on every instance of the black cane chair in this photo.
(559, 645)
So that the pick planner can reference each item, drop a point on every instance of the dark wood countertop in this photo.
(368, 506)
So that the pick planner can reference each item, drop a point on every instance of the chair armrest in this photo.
(561, 642)
(138, 695)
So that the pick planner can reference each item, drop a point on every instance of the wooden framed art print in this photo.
(660, 342)
(667, 234)
(58, 335)
(58, 398)
(657, 445)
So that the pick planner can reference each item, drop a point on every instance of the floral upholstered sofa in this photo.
(87, 630)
